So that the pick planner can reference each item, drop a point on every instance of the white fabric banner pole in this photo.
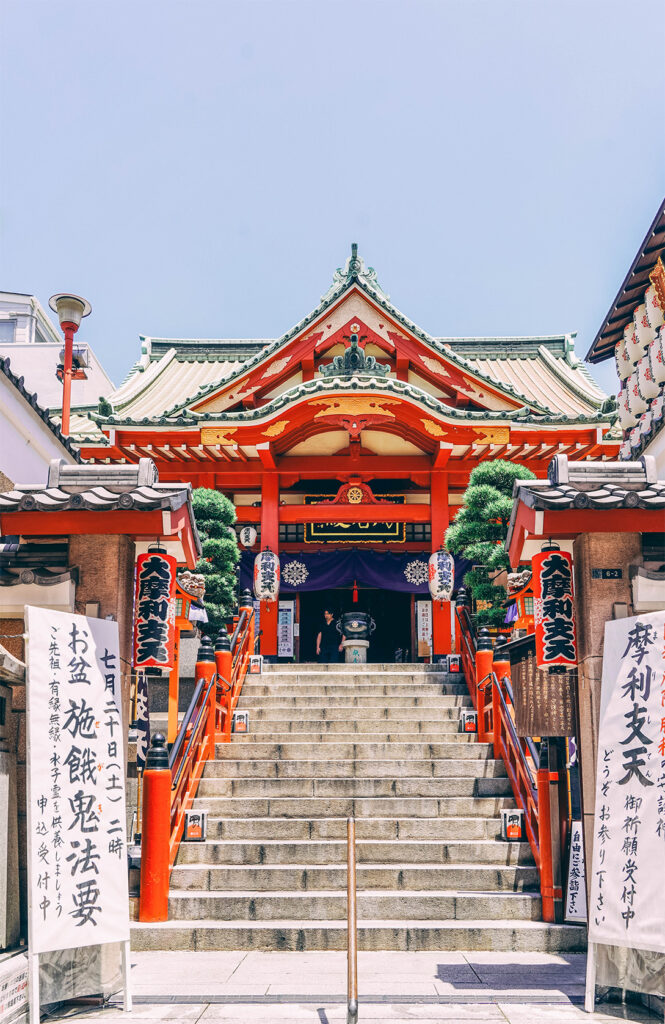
(76, 817)
(590, 990)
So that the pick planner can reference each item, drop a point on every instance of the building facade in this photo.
(347, 444)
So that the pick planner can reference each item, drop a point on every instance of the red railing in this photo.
(170, 781)
(528, 774)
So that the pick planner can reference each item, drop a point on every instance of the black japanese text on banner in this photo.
(626, 906)
(77, 859)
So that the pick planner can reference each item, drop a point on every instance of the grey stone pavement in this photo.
(248, 988)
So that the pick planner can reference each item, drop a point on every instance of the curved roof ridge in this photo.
(130, 389)
(335, 385)
(572, 385)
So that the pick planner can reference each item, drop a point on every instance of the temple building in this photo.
(347, 444)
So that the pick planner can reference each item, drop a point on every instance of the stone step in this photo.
(430, 702)
(442, 713)
(403, 936)
(316, 667)
(262, 829)
(358, 768)
(379, 736)
(249, 747)
(313, 877)
(312, 727)
(364, 689)
(330, 905)
(358, 807)
(332, 853)
(333, 788)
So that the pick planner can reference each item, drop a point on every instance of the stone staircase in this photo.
(381, 744)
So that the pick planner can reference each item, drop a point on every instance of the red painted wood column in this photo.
(269, 539)
(441, 632)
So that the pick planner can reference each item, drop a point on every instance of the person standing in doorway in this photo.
(328, 643)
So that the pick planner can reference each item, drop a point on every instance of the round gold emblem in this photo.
(354, 495)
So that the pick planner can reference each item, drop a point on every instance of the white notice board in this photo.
(626, 906)
(77, 856)
(285, 617)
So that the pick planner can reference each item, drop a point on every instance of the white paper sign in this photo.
(77, 857)
(424, 624)
(576, 888)
(627, 907)
(285, 616)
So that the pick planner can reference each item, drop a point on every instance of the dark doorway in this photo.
(390, 610)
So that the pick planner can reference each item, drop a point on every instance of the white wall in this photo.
(27, 445)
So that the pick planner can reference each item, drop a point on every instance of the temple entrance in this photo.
(391, 610)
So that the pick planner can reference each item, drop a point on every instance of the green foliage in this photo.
(479, 529)
(215, 516)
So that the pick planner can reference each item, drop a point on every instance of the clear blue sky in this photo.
(199, 168)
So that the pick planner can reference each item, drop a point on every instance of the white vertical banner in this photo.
(424, 628)
(626, 906)
(285, 618)
(77, 857)
(576, 888)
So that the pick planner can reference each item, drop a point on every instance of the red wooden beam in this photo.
(343, 513)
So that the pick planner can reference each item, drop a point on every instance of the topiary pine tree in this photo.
(215, 516)
(479, 530)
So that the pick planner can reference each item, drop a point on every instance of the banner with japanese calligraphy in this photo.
(154, 610)
(626, 906)
(553, 609)
(77, 858)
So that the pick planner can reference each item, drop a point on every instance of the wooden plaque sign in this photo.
(544, 703)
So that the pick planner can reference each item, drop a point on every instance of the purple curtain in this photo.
(326, 570)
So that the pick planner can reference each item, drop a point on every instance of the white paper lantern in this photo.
(266, 576)
(441, 575)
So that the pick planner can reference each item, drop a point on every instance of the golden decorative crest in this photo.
(216, 435)
(354, 406)
(275, 429)
(276, 367)
(434, 429)
(354, 495)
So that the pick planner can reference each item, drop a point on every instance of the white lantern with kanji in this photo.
(441, 575)
(266, 576)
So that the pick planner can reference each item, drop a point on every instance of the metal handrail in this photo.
(204, 705)
(491, 680)
(237, 631)
(180, 738)
(352, 924)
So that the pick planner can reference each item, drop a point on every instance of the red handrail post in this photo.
(205, 669)
(484, 660)
(501, 670)
(224, 661)
(155, 834)
(545, 836)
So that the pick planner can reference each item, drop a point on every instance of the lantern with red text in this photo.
(554, 616)
(154, 610)
(441, 575)
(266, 575)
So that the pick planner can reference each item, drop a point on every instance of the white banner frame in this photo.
(620, 632)
(98, 630)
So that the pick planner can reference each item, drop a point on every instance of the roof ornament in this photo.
(355, 363)
(354, 270)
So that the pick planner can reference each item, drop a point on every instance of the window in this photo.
(418, 532)
(7, 331)
(292, 533)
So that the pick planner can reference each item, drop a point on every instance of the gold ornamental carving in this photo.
(275, 429)
(354, 406)
(216, 435)
(657, 278)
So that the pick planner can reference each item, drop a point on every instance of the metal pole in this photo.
(352, 932)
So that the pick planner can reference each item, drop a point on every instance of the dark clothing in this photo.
(330, 641)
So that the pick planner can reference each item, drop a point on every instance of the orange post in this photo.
(205, 668)
(501, 670)
(155, 834)
(224, 661)
(484, 661)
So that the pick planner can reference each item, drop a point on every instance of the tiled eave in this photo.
(631, 291)
(97, 499)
